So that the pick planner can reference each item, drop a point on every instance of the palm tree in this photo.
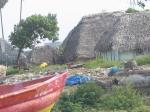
(21, 10)
(2, 41)
(140, 3)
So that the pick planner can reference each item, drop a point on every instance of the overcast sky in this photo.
(69, 12)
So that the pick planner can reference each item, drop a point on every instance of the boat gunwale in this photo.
(32, 90)
(24, 89)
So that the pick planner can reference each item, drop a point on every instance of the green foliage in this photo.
(140, 3)
(88, 94)
(13, 71)
(142, 109)
(143, 60)
(103, 63)
(131, 10)
(122, 98)
(71, 107)
(28, 32)
(66, 105)
(92, 98)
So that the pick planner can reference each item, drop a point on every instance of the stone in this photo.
(130, 65)
(8, 54)
(42, 54)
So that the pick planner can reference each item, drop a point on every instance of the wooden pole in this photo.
(2, 23)
(2, 42)
(21, 10)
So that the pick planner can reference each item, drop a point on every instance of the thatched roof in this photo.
(81, 41)
(2, 3)
(108, 31)
(131, 32)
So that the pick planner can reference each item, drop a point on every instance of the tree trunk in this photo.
(2, 42)
(20, 10)
(18, 57)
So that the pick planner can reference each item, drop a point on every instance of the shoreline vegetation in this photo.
(90, 97)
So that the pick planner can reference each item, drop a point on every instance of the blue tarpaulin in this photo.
(77, 79)
(113, 70)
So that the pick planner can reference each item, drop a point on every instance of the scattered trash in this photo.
(130, 65)
(2, 71)
(71, 65)
(77, 79)
(43, 65)
(112, 70)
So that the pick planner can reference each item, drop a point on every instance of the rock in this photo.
(135, 80)
(8, 56)
(130, 65)
(42, 54)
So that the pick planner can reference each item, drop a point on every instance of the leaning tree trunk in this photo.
(18, 57)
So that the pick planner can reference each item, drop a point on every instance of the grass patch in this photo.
(143, 60)
(13, 71)
(51, 68)
(103, 63)
(92, 98)
(123, 98)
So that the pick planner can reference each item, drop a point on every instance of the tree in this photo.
(28, 32)
(21, 9)
(131, 10)
(140, 3)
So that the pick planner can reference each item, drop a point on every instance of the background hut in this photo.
(115, 35)
(129, 37)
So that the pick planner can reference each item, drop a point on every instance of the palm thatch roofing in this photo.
(108, 31)
(2, 3)
(130, 32)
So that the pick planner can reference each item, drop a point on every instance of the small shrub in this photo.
(122, 98)
(71, 107)
(92, 98)
(143, 60)
(142, 109)
(66, 104)
(88, 94)
(131, 10)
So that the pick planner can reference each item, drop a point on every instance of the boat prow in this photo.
(32, 96)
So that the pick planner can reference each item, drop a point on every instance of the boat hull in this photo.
(39, 97)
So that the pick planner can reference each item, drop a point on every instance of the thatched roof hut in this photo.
(131, 32)
(104, 32)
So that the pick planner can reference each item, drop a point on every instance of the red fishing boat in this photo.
(37, 95)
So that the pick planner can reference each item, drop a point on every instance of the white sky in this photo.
(69, 12)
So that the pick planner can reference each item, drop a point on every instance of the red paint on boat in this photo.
(31, 96)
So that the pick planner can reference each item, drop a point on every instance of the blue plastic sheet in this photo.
(77, 79)
(113, 70)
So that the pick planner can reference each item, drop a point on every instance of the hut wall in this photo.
(115, 55)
